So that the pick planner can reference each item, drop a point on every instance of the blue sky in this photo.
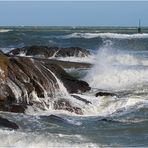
(73, 13)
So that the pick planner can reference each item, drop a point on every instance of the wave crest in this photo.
(106, 35)
(5, 30)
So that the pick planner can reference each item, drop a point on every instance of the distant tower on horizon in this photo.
(139, 27)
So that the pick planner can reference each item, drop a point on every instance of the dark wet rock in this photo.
(64, 104)
(46, 52)
(22, 80)
(72, 51)
(65, 64)
(71, 83)
(3, 75)
(17, 108)
(53, 118)
(81, 99)
(108, 120)
(6, 123)
(105, 94)
(1, 52)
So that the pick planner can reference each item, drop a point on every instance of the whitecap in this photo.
(5, 30)
(106, 35)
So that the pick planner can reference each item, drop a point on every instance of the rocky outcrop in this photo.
(6, 123)
(3, 76)
(25, 82)
(47, 52)
(65, 64)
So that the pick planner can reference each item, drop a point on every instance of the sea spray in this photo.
(115, 69)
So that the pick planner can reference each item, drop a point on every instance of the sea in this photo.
(119, 56)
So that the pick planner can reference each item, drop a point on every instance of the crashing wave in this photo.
(115, 69)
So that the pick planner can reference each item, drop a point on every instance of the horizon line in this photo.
(72, 26)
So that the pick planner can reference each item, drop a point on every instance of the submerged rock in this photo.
(53, 118)
(105, 94)
(81, 99)
(6, 123)
(64, 104)
(47, 52)
(25, 82)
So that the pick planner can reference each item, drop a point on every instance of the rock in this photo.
(72, 51)
(105, 94)
(81, 99)
(63, 104)
(53, 118)
(17, 108)
(72, 84)
(3, 75)
(46, 52)
(25, 81)
(65, 64)
(108, 120)
(1, 52)
(6, 123)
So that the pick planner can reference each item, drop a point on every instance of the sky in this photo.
(73, 13)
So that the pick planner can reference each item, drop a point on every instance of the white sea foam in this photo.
(106, 35)
(5, 30)
(110, 105)
(36, 139)
(110, 72)
(5, 50)
(23, 54)
(116, 70)
(89, 59)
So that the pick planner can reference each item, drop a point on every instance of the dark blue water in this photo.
(87, 37)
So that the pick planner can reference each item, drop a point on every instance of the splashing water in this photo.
(115, 69)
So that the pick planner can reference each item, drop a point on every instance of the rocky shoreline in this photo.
(33, 81)
(47, 52)
(23, 79)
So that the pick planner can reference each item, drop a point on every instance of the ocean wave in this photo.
(106, 35)
(5, 30)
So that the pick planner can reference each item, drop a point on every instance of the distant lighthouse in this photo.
(139, 27)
